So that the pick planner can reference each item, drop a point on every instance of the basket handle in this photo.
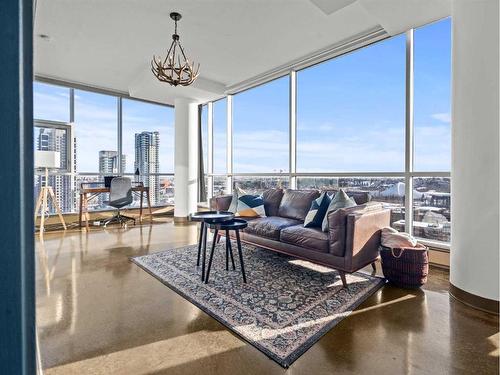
(401, 251)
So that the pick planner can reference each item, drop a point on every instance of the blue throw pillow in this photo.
(317, 212)
(251, 206)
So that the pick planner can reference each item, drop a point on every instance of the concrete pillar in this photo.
(186, 158)
(474, 256)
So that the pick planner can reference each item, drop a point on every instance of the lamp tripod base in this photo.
(42, 205)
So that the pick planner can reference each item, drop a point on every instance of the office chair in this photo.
(120, 195)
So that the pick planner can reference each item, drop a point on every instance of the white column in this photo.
(186, 158)
(474, 252)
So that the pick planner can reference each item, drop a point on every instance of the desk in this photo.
(89, 190)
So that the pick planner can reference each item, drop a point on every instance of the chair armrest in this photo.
(363, 232)
(220, 203)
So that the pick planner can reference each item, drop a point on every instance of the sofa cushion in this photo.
(295, 204)
(310, 238)
(341, 200)
(317, 212)
(270, 226)
(272, 200)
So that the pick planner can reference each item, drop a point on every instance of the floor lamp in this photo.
(52, 160)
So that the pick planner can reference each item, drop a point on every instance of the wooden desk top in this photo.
(103, 189)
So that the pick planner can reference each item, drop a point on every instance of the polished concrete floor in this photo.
(98, 313)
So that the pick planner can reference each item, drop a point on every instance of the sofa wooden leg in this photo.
(342, 277)
(374, 267)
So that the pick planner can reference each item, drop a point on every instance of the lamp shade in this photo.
(47, 159)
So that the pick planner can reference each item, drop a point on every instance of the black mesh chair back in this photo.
(120, 192)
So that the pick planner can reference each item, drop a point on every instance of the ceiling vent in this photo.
(331, 6)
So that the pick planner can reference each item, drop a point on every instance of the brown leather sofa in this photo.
(351, 242)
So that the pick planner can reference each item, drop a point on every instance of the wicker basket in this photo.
(405, 268)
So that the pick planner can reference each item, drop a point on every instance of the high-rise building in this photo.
(147, 147)
(51, 139)
(108, 162)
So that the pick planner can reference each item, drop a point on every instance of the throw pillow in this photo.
(251, 206)
(317, 212)
(341, 200)
(237, 192)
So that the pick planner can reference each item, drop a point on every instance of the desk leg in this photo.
(80, 212)
(204, 252)
(87, 216)
(149, 206)
(140, 206)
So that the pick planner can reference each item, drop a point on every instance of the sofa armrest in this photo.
(337, 224)
(220, 203)
(363, 232)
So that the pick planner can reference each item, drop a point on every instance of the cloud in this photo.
(443, 117)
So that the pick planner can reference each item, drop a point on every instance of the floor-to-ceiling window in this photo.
(53, 132)
(354, 126)
(89, 129)
(351, 119)
(432, 131)
(148, 147)
(261, 136)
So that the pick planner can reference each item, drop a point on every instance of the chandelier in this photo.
(175, 72)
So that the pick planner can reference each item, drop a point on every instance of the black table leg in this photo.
(230, 249)
(227, 251)
(240, 255)
(199, 243)
(211, 256)
(204, 252)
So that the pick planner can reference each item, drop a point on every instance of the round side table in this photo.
(236, 225)
(207, 217)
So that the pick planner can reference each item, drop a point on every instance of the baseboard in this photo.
(484, 304)
(181, 219)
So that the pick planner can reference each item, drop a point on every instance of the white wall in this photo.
(475, 143)
(186, 157)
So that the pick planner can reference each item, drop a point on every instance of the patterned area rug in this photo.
(285, 307)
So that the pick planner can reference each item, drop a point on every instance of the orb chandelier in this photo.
(175, 69)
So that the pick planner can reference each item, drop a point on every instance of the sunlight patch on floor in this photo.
(156, 356)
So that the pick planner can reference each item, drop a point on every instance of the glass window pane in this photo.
(388, 190)
(56, 139)
(50, 102)
(257, 185)
(351, 111)
(261, 128)
(432, 98)
(148, 145)
(432, 209)
(220, 136)
(143, 120)
(220, 185)
(96, 124)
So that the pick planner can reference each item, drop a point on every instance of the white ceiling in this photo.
(109, 43)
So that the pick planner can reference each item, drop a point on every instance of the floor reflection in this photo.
(95, 307)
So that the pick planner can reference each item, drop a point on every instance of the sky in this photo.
(350, 115)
